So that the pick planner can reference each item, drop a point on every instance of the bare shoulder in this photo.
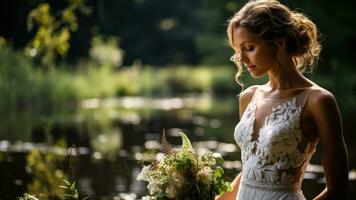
(324, 108)
(245, 97)
(248, 93)
(320, 98)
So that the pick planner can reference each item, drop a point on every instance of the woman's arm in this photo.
(235, 187)
(333, 149)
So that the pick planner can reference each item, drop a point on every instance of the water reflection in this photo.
(113, 135)
(189, 101)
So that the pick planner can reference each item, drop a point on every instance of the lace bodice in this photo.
(274, 151)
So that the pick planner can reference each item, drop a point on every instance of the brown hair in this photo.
(270, 20)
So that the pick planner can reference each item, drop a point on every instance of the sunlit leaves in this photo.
(43, 166)
(71, 190)
(27, 197)
(186, 145)
(41, 16)
(52, 34)
(106, 51)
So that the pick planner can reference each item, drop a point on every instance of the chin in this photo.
(257, 75)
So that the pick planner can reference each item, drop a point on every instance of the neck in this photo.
(285, 76)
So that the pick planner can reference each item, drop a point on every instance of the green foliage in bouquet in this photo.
(71, 193)
(184, 174)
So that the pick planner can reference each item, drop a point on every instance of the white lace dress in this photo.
(274, 152)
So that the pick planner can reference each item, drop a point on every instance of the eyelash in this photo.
(249, 49)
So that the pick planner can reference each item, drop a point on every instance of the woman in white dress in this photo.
(283, 120)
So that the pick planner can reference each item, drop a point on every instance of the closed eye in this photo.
(249, 48)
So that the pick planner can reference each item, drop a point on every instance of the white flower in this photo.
(168, 179)
(144, 174)
(148, 198)
(153, 188)
(205, 175)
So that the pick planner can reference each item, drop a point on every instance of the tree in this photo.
(53, 32)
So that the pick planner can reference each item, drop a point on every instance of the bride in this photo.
(283, 120)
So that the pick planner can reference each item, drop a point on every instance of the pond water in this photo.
(112, 136)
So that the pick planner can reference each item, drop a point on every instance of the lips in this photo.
(251, 67)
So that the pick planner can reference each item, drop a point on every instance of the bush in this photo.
(17, 80)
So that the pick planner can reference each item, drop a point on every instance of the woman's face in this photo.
(253, 52)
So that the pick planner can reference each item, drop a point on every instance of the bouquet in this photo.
(183, 174)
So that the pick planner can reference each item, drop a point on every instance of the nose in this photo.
(242, 57)
(239, 57)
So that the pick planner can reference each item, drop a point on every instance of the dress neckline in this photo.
(304, 90)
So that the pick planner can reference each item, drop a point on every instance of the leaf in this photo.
(186, 145)
(218, 158)
(64, 187)
(72, 187)
(27, 197)
(219, 171)
(66, 182)
(198, 189)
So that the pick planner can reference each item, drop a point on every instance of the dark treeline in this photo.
(161, 32)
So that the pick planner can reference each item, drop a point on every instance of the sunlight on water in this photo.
(120, 133)
(315, 168)
(352, 174)
(172, 103)
(232, 165)
(152, 144)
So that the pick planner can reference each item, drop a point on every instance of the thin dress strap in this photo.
(304, 98)
(255, 94)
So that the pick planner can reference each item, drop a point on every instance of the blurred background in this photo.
(87, 88)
